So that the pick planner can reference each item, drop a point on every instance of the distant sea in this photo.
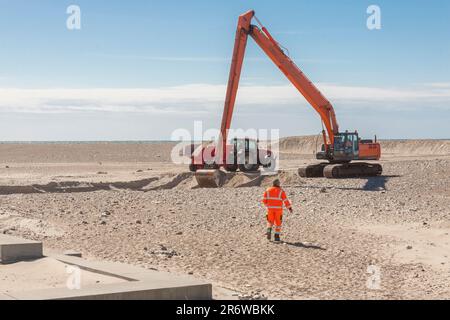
(154, 141)
(89, 142)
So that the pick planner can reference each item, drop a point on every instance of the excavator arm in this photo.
(273, 50)
(340, 149)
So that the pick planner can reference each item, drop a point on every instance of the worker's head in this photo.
(276, 183)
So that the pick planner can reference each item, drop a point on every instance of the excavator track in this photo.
(352, 170)
(312, 171)
(213, 178)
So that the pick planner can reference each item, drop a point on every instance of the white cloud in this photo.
(441, 85)
(206, 98)
(377, 94)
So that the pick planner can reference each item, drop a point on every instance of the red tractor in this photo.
(244, 155)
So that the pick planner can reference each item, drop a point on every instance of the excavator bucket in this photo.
(210, 178)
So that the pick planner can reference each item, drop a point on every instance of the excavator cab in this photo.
(346, 147)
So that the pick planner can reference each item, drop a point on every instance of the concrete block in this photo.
(14, 249)
(5, 297)
(143, 284)
(135, 290)
(140, 284)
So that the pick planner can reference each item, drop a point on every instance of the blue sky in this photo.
(138, 70)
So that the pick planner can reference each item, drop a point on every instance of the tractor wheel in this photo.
(231, 167)
(248, 167)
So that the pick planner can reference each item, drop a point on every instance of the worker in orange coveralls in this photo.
(274, 198)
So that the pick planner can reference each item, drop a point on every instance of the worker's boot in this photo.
(269, 234)
(277, 238)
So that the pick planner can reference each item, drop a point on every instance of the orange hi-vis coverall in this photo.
(274, 198)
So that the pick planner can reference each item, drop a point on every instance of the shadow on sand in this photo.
(303, 245)
(377, 183)
(372, 184)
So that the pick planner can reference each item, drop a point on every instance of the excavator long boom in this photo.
(273, 50)
(340, 148)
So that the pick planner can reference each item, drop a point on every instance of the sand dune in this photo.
(416, 147)
(309, 144)
(160, 152)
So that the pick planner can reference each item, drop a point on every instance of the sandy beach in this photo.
(127, 202)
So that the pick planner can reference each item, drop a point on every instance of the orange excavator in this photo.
(339, 149)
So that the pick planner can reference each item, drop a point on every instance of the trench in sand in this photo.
(183, 181)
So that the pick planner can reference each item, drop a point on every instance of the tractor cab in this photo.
(245, 145)
(247, 156)
(346, 146)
